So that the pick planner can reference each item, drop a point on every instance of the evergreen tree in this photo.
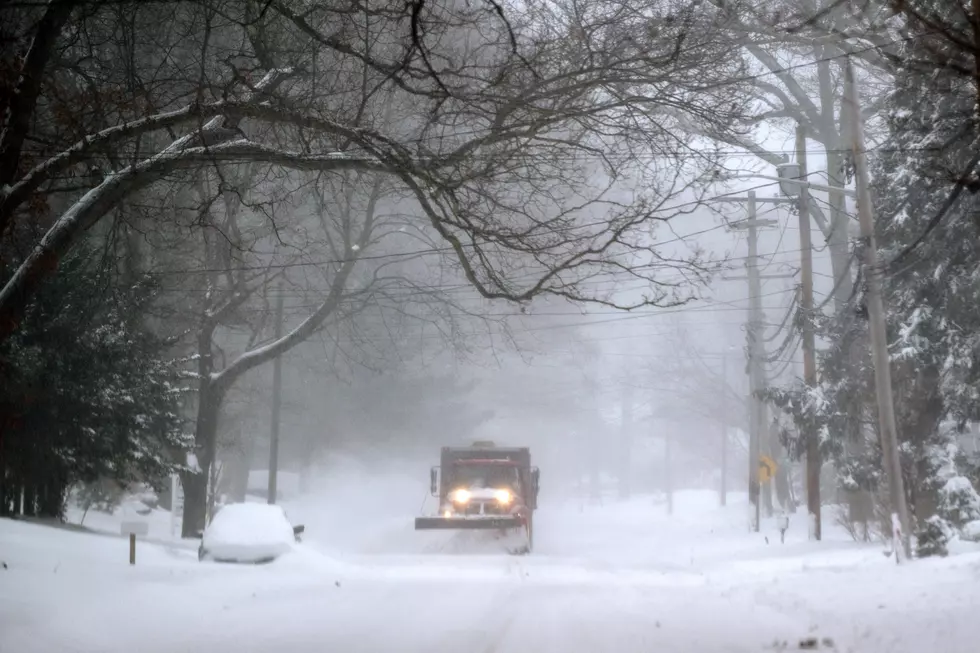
(932, 294)
(87, 390)
(933, 537)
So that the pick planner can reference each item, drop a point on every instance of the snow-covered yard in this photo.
(622, 577)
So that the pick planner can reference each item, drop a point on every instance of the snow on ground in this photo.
(625, 576)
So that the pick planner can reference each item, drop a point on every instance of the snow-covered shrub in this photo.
(932, 538)
(971, 531)
(102, 495)
(860, 531)
(956, 500)
(959, 502)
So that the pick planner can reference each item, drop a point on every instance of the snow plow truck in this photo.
(489, 488)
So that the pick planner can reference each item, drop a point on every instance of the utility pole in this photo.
(668, 475)
(593, 449)
(276, 404)
(723, 490)
(625, 439)
(756, 355)
(887, 425)
(813, 462)
(755, 339)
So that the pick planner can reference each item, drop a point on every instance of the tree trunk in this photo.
(595, 467)
(307, 464)
(668, 476)
(723, 481)
(205, 440)
(29, 504)
(595, 492)
(919, 431)
(626, 442)
(237, 467)
(164, 502)
(51, 502)
(858, 501)
(195, 502)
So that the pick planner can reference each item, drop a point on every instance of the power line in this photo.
(442, 250)
(447, 249)
(464, 286)
(621, 315)
(785, 320)
(779, 243)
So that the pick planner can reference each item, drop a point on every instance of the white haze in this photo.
(638, 419)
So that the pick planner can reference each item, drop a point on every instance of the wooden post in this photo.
(887, 425)
(132, 529)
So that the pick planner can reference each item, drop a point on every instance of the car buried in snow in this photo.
(248, 533)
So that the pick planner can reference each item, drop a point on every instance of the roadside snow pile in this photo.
(248, 532)
(102, 603)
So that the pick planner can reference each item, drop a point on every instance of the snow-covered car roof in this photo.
(248, 532)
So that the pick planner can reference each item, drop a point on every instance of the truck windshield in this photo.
(485, 476)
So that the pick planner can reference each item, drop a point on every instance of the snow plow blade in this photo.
(451, 523)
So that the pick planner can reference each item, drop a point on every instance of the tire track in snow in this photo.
(489, 625)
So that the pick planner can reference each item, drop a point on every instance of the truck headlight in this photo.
(503, 496)
(460, 496)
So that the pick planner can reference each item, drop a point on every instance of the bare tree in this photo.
(687, 375)
(518, 141)
(575, 98)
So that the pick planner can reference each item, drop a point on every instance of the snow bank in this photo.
(248, 532)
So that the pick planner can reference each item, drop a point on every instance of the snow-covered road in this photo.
(622, 578)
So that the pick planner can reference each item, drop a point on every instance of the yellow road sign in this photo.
(767, 469)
